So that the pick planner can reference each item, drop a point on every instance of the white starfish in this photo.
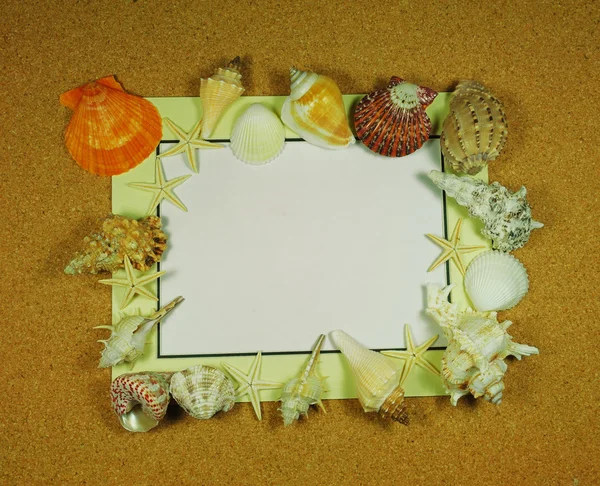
(251, 384)
(414, 355)
(188, 142)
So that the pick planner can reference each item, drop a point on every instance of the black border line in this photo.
(283, 353)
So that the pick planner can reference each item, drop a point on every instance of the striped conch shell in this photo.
(315, 110)
(111, 131)
(128, 336)
(477, 346)
(217, 93)
(377, 379)
(475, 130)
(303, 391)
(140, 400)
(203, 391)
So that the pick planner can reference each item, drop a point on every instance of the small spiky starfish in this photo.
(251, 384)
(188, 142)
(414, 355)
(162, 188)
(453, 249)
(133, 284)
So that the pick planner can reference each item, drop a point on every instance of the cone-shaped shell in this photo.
(128, 336)
(506, 215)
(217, 93)
(257, 136)
(377, 379)
(315, 110)
(111, 131)
(143, 241)
(496, 281)
(140, 400)
(392, 121)
(475, 130)
(203, 391)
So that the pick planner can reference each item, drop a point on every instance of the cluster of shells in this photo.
(392, 122)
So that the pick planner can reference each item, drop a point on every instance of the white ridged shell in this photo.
(203, 391)
(376, 376)
(496, 281)
(257, 136)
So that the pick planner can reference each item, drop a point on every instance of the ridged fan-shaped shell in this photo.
(217, 93)
(143, 241)
(111, 131)
(257, 136)
(140, 400)
(203, 391)
(392, 121)
(315, 110)
(496, 281)
(377, 379)
(475, 130)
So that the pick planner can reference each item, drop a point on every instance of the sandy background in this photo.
(540, 58)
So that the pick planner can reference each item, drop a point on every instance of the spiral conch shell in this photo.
(304, 390)
(392, 121)
(315, 110)
(506, 215)
(143, 241)
(377, 379)
(128, 336)
(475, 131)
(203, 391)
(111, 131)
(140, 400)
(217, 93)
(477, 346)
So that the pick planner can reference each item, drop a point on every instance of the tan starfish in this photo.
(133, 284)
(453, 249)
(251, 384)
(188, 142)
(414, 355)
(162, 188)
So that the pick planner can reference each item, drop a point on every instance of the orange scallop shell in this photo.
(392, 121)
(111, 131)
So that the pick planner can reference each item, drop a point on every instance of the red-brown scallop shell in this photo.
(392, 121)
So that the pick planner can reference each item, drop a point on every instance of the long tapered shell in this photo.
(143, 241)
(392, 121)
(203, 391)
(315, 110)
(475, 130)
(111, 131)
(128, 336)
(217, 93)
(257, 136)
(377, 379)
(140, 400)
(496, 281)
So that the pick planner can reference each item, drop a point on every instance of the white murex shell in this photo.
(496, 281)
(477, 346)
(128, 336)
(303, 391)
(377, 379)
(202, 391)
(257, 136)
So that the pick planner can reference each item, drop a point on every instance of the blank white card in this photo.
(271, 256)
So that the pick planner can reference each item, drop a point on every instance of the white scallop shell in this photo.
(496, 281)
(203, 391)
(257, 136)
